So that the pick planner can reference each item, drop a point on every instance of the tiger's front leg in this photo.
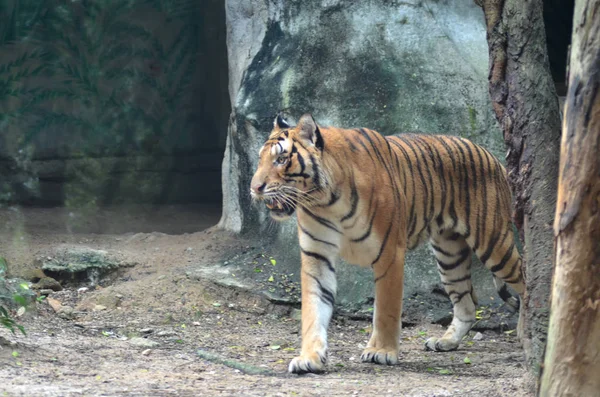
(389, 283)
(318, 297)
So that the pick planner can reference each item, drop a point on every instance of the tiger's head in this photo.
(289, 170)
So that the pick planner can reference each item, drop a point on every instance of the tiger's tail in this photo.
(512, 301)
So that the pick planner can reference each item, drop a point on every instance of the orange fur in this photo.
(370, 198)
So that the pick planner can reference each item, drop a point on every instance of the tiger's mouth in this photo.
(279, 208)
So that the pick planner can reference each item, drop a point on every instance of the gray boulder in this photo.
(393, 66)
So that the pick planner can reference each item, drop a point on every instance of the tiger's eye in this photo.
(281, 160)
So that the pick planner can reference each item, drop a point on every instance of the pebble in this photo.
(146, 352)
(99, 308)
(46, 292)
(166, 333)
(82, 290)
(296, 314)
(143, 342)
(54, 304)
(478, 336)
(66, 312)
(146, 331)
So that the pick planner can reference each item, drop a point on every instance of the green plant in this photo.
(6, 319)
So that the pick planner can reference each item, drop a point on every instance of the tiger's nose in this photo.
(258, 187)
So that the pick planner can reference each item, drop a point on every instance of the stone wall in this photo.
(112, 101)
(394, 66)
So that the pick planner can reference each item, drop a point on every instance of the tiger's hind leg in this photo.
(453, 256)
(499, 254)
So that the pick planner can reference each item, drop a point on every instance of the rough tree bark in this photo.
(572, 364)
(526, 106)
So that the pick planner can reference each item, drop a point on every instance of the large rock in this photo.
(388, 65)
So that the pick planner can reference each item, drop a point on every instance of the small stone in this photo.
(47, 283)
(143, 342)
(54, 304)
(99, 308)
(166, 333)
(146, 352)
(146, 331)
(478, 336)
(46, 292)
(82, 290)
(296, 314)
(66, 312)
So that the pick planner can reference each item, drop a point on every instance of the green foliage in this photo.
(6, 319)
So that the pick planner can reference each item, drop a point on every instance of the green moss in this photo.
(472, 118)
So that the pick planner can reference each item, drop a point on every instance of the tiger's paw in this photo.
(440, 345)
(313, 363)
(379, 356)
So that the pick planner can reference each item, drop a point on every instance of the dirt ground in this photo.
(150, 330)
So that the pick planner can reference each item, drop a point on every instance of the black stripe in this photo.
(315, 238)
(353, 200)
(505, 258)
(428, 149)
(458, 296)
(441, 251)
(473, 180)
(464, 254)
(385, 239)
(368, 232)
(464, 181)
(325, 294)
(451, 207)
(457, 280)
(412, 221)
(383, 161)
(488, 177)
(454, 236)
(491, 245)
(504, 293)
(301, 162)
(322, 221)
(320, 258)
(511, 273)
(316, 172)
(335, 196)
(421, 176)
(515, 281)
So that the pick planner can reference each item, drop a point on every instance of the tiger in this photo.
(369, 198)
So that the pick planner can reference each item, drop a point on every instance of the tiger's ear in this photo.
(280, 122)
(309, 130)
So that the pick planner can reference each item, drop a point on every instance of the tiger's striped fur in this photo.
(369, 199)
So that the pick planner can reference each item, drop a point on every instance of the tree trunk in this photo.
(526, 106)
(572, 365)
